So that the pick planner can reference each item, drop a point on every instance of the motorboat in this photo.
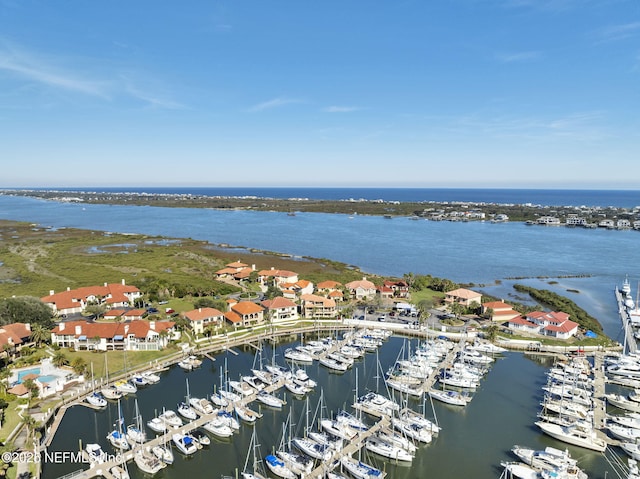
(333, 364)
(218, 428)
(118, 440)
(151, 377)
(255, 382)
(361, 470)
(412, 430)
(300, 464)
(95, 453)
(163, 452)
(386, 449)
(185, 364)
(376, 404)
(157, 425)
(455, 398)
(295, 388)
(278, 467)
(119, 472)
(312, 448)
(271, 400)
(96, 399)
(520, 470)
(187, 412)
(576, 435)
(185, 443)
(125, 387)
(139, 380)
(301, 377)
(170, 418)
(298, 356)
(135, 434)
(147, 461)
(246, 414)
(201, 437)
(111, 392)
(242, 388)
(550, 459)
(228, 419)
(201, 405)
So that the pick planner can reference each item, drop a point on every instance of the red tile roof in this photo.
(202, 313)
(139, 328)
(278, 302)
(246, 307)
(15, 333)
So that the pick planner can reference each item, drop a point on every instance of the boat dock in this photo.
(630, 341)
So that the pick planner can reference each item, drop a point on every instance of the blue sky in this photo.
(459, 93)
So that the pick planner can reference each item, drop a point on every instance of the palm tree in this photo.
(59, 359)
(39, 334)
(30, 423)
(491, 332)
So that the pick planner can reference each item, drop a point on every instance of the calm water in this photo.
(479, 253)
(503, 412)
(549, 197)
(471, 444)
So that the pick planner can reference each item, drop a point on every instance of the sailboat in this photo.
(109, 391)
(252, 453)
(135, 432)
(116, 437)
(185, 409)
(95, 398)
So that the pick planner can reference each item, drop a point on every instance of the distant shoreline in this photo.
(613, 218)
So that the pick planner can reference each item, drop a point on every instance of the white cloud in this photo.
(274, 103)
(619, 32)
(340, 109)
(518, 56)
(31, 67)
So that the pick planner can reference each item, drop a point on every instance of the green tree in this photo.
(491, 332)
(457, 309)
(32, 387)
(79, 366)
(25, 309)
(40, 334)
(59, 359)
(30, 423)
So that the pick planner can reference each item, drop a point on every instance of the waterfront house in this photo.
(361, 289)
(499, 311)
(201, 317)
(314, 306)
(114, 295)
(328, 286)
(280, 309)
(465, 297)
(13, 337)
(549, 221)
(555, 324)
(276, 276)
(302, 286)
(245, 313)
(130, 336)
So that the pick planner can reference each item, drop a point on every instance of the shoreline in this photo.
(612, 218)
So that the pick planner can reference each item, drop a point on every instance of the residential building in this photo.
(14, 337)
(280, 309)
(463, 296)
(361, 289)
(129, 336)
(554, 324)
(245, 313)
(276, 276)
(500, 311)
(200, 318)
(114, 295)
(314, 306)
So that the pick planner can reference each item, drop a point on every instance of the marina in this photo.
(383, 417)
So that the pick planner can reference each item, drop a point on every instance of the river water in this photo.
(472, 442)
(590, 263)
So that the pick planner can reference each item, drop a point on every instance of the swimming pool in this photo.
(26, 372)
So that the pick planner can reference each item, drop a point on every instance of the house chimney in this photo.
(51, 292)
(27, 326)
(152, 325)
(62, 326)
(68, 288)
(78, 329)
(105, 284)
(253, 267)
(123, 283)
(199, 310)
(126, 329)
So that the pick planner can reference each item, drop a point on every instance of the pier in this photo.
(630, 340)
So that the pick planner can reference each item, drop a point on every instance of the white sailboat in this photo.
(117, 437)
(253, 471)
(109, 391)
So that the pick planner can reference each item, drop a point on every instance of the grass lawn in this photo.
(116, 359)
